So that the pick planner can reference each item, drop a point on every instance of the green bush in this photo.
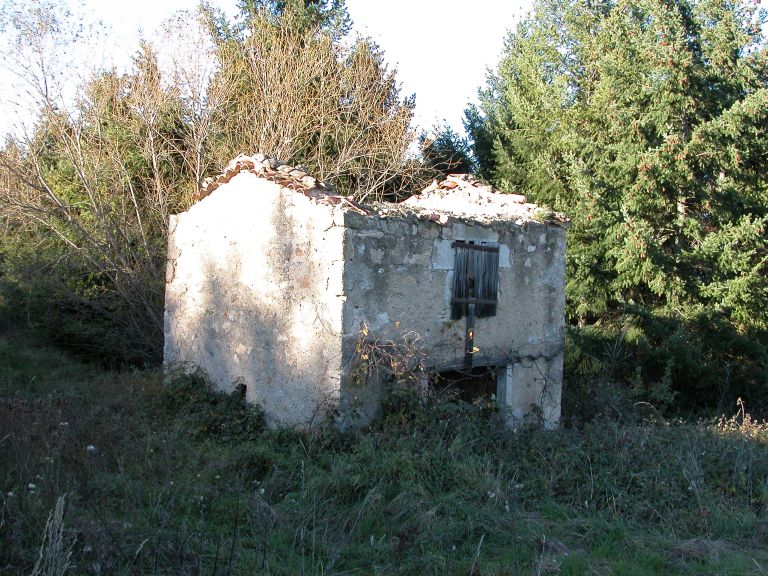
(698, 365)
(209, 414)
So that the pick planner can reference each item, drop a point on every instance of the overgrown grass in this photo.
(174, 479)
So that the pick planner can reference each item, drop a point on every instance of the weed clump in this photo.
(210, 414)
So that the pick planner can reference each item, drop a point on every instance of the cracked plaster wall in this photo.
(254, 296)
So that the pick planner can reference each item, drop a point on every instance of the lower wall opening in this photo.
(470, 384)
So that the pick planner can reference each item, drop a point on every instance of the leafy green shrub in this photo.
(206, 413)
(676, 365)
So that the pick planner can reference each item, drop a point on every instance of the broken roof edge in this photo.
(458, 196)
(465, 196)
(294, 178)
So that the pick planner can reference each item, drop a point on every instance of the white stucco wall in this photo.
(254, 296)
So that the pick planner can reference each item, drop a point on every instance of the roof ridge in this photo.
(457, 195)
(270, 168)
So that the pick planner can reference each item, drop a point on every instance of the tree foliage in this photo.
(446, 152)
(646, 121)
(90, 197)
(87, 192)
(300, 93)
(327, 15)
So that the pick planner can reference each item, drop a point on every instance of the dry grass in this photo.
(172, 479)
(55, 551)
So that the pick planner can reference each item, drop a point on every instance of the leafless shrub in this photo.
(398, 358)
(306, 98)
(94, 191)
(89, 192)
(189, 61)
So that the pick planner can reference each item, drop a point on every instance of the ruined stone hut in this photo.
(271, 276)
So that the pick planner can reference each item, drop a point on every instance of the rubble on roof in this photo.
(464, 196)
(458, 196)
(272, 169)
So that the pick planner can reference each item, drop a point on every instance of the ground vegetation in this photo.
(123, 473)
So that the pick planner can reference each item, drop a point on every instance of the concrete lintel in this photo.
(492, 361)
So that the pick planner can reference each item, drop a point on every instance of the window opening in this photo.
(475, 288)
(475, 280)
(473, 385)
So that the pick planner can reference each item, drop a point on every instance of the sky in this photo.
(441, 49)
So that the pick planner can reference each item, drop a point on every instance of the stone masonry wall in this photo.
(269, 288)
(398, 276)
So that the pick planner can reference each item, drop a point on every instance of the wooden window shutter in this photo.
(475, 279)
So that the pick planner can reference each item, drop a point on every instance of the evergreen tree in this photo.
(327, 15)
(445, 152)
(646, 121)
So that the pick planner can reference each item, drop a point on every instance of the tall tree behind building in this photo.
(647, 122)
(307, 92)
(445, 151)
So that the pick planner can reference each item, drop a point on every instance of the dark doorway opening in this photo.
(470, 384)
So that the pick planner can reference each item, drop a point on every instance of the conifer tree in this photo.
(647, 122)
(446, 152)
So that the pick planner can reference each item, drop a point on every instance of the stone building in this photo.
(271, 277)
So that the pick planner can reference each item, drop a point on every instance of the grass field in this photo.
(118, 473)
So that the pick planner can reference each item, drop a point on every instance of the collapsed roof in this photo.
(459, 195)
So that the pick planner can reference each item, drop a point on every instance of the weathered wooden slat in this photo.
(478, 247)
(472, 301)
(476, 280)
